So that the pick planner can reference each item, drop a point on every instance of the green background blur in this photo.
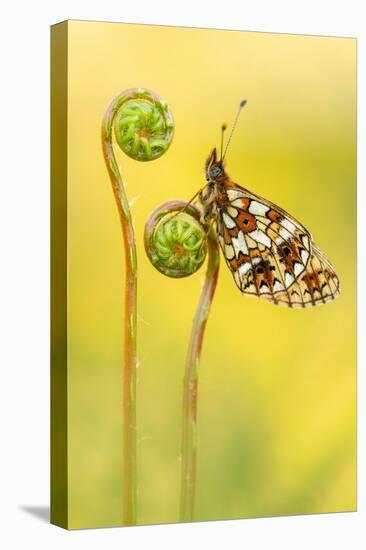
(277, 391)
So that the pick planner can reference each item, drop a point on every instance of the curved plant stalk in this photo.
(143, 128)
(163, 248)
(190, 384)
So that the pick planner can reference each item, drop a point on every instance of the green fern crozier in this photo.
(144, 126)
(177, 245)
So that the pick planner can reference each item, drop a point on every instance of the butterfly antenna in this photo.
(223, 128)
(241, 105)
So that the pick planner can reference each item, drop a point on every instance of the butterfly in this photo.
(269, 253)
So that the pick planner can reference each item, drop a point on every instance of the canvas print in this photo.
(203, 316)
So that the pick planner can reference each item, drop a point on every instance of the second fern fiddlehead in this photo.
(143, 128)
(177, 246)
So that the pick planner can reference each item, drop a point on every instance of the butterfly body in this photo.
(269, 253)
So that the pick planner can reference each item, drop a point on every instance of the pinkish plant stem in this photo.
(190, 385)
(130, 317)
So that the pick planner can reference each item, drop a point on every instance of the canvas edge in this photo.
(58, 313)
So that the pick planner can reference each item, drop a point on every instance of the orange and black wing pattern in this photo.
(270, 254)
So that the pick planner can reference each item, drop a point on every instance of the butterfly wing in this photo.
(270, 254)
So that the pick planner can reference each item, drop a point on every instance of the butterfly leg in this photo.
(208, 228)
(184, 208)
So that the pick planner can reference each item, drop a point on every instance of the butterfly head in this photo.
(214, 168)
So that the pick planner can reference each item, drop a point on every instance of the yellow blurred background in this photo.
(277, 391)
